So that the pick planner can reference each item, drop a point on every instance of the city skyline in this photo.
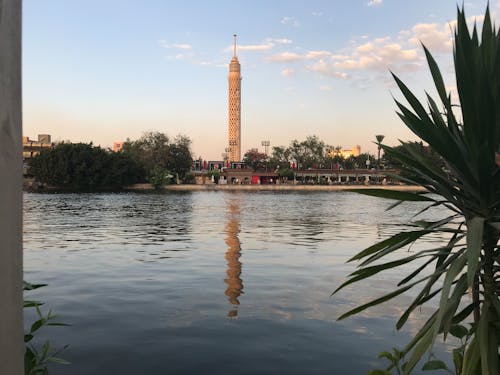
(104, 72)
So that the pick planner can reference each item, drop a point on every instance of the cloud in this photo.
(325, 88)
(317, 14)
(284, 57)
(373, 3)
(327, 69)
(279, 40)
(290, 21)
(435, 37)
(287, 72)
(265, 46)
(377, 55)
(256, 47)
(317, 54)
(183, 46)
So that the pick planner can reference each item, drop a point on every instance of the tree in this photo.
(179, 159)
(150, 151)
(255, 159)
(81, 166)
(155, 150)
(280, 157)
(469, 188)
(309, 153)
(355, 162)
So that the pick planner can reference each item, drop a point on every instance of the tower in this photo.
(234, 130)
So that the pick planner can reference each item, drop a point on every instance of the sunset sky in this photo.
(106, 70)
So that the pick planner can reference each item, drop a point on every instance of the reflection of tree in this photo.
(233, 281)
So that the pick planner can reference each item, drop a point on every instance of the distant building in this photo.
(32, 148)
(117, 146)
(355, 151)
(44, 138)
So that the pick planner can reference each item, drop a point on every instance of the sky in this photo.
(106, 70)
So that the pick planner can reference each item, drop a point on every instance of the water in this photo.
(212, 282)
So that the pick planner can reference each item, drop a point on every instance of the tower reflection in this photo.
(233, 280)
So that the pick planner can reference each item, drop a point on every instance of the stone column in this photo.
(11, 297)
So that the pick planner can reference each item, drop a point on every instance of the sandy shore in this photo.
(141, 187)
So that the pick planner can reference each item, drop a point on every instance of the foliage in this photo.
(280, 157)
(81, 166)
(155, 149)
(189, 178)
(36, 361)
(309, 153)
(215, 174)
(394, 163)
(159, 177)
(468, 187)
(286, 173)
(255, 159)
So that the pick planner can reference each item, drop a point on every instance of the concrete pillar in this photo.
(11, 266)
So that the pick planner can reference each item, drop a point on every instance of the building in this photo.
(355, 151)
(32, 148)
(117, 146)
(234, 131)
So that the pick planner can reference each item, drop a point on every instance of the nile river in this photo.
(212, 282)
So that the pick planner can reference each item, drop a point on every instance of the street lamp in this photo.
(380, 138)
(266, 147)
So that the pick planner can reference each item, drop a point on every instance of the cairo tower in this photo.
(234, 108)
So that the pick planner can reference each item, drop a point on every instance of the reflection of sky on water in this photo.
(155, 276)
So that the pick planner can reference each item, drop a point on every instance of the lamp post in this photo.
(379, 138)
(266, 147)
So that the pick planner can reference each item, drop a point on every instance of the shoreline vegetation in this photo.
(28, 186)
(282, 187)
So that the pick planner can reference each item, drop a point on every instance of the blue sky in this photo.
(106, 70)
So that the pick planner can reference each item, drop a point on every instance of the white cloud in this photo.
(373, 3)
(317, 14)
(290, 21)
(327, 69)
(287, 72)
(284, 57)
(326, 88)
(279, 40)
(378, 54)
(435, 37)
(183, 46)
(266, 46)
(317, 54)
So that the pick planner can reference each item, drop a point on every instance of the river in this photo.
(212, 282)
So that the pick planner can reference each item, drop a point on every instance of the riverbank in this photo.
(282, 187)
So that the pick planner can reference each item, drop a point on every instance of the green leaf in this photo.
(394, 194)
(474, 241)
(28, 337)
(421, 347)
(434, 365)
(458, 359)
(379, 372)
(395, 242)
(386, 354)
(375, 302)
(458, 331)
(32, 303)
(29, 286)
(37, 325)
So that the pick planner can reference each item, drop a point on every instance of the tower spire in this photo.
(234, 45)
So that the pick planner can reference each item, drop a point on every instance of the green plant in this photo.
(36, 361)
(469, 187)
(159, 177)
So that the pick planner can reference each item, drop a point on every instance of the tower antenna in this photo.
(234, 45)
